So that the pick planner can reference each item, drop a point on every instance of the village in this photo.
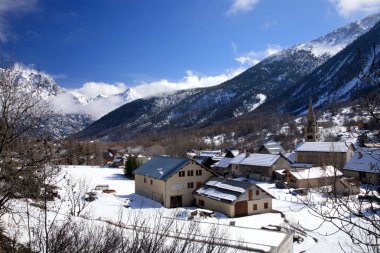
(251, 194)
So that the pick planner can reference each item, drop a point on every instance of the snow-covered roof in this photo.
(265, 160)
(315, 172)
(210, 153)
(273, 148)
(363, 161)
(216, 194)
(224, 163)
(225, 185)
(224, 189)
(340, 147)
(290, 156)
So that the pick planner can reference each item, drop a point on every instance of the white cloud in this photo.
(241, 6)
(253, 57)
(189, 81)
(64, 102)
(9, 7)
(348, 8)
(93, 89)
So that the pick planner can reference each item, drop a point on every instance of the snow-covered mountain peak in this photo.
(129, 95)
(335, 41)
(32, 79)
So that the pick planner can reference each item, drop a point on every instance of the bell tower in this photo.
(311, 128)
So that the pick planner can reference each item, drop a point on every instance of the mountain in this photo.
(266, 82)
(59, 125)
(72, 110)
(336, 80)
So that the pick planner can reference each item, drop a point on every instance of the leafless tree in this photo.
(135, 234)
(76, 190)
(358, 219)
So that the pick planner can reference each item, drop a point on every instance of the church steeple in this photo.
(311, 128)
(310, 115)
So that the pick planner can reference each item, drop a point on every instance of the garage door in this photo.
(241, 208)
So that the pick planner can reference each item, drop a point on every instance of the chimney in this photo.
(247, 154)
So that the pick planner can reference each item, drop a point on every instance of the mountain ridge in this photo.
(270, 77)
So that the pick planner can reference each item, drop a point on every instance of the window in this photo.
(201, 202)
(151, 181)
(190, 185)
(257, 192)
(265, 205)
(181, 174)
(144, 179)
(198, 172)
(189, 173)
(250, 195)
(254, 207)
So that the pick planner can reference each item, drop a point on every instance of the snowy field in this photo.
(110, 207)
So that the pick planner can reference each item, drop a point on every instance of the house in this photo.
(170, 181)
(256, 166)
(272, 148)
(311, 177)
(109, 156)
(347, 186)
(324, 153)
(364, 165)
(117, 162)
(206, 161)
(224, 165)
(233, 198)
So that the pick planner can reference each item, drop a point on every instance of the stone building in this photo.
(324, 153)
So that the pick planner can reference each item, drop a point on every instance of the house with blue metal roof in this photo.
(170, 181)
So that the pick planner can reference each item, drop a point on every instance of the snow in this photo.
(225, 186)
(368, 161)
(323, 147)
(224, 162)
(214, 193)
(320, 49)
(247, 230)
(315, 172)
(256, 159)
(262, 98)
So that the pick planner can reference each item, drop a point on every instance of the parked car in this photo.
(369, 197)
(102, 187)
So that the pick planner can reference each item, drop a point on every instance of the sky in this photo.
(106, 46)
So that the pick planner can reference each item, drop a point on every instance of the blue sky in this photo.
(129, 42)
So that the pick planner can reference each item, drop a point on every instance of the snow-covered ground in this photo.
(107, 207)
(110, 207)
